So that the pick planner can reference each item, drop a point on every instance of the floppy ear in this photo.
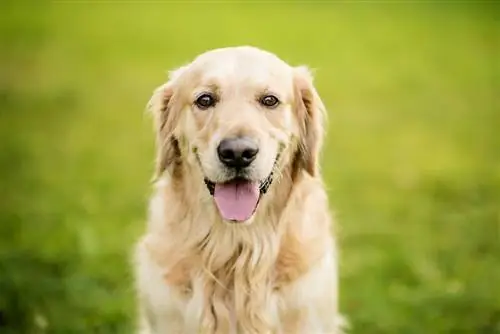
(166, 116)
(311, 114)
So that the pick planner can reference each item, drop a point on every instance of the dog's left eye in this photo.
(269, 101)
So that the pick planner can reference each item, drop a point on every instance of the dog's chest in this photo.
(212, 295)
(212, 287)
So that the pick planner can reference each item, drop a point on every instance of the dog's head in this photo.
(238, 115)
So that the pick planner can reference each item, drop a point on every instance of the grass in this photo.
(411, 159)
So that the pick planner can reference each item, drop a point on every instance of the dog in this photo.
(239, 235)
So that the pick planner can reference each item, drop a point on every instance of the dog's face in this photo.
(237, 114)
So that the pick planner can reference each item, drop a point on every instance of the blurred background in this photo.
(412, 157)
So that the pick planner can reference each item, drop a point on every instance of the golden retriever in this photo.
(238, 239)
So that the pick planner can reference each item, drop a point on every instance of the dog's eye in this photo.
(205, 101)
(269, 101)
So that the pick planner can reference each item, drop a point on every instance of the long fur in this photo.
(198, 274)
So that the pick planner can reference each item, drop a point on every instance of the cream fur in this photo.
(275, 273)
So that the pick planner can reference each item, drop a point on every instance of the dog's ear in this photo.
(162, 105)
(311, 114)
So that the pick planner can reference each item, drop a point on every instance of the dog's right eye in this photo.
(205, 101)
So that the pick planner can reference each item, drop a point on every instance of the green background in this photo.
(411, 160)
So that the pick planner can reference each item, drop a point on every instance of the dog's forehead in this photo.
(242, 65)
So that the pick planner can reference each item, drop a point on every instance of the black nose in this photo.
(237, 152)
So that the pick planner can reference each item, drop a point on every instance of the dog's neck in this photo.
(237, 262)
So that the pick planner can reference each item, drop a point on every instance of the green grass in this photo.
(412, 157)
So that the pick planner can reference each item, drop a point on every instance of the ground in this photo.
(411, 159)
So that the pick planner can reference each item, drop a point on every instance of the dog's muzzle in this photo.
(237, 199)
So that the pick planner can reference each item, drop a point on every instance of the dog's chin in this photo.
(237, 199)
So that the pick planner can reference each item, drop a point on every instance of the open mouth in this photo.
(238, 198)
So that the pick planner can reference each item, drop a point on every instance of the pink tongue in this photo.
(236, 200)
